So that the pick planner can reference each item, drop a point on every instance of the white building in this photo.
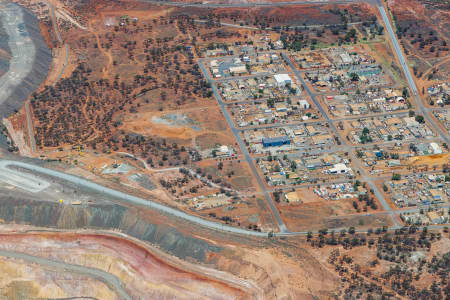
(304, 104)
(238, 69)
(224, 151)
(283, 79)
(411, 122)
(346, 59)
(436, 149)
(278, 44)
(339, 169)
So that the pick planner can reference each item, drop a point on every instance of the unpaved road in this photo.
(60, 40)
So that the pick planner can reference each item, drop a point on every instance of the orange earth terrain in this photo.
(133, 103)
(330, 265)
(257, 269)
(144, 275)
(423, 30)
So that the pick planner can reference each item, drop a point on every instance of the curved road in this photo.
(206, 223)
(109, 279)
(4, 164)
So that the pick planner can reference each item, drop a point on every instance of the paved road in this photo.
(244, 4)
(109, 279)
(164, 209)
(198, 220)
(310, 185)
(415, 94)
(315, 121)
(310, 93)
(244, 150)
(345, 146)
(129, 198)
(231, 78)
(278, 125)
(408, 75)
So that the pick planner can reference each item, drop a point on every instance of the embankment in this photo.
(106, 217)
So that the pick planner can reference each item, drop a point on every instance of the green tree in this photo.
(354, 77)
(396, 176)
(420, 119)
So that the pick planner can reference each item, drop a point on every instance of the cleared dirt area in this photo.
(437, 160)
(423, 30)
(330, 214)
(202, 126)
(235, 172)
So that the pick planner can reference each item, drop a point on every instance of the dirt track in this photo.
(104, 276)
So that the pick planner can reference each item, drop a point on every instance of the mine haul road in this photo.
(110, 280)
(5, 170)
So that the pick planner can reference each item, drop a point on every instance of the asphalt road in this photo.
(408, 75)
(247, 156)
(129, 198)
(244, 4)
(164, 209)
(413, 88)
(109, 279)
(345, 146)
(310, 93)
(209, 224)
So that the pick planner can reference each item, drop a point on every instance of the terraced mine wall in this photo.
(31, 58)
(104, 217)
(5, 52)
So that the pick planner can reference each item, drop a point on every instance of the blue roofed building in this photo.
(276, 141)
